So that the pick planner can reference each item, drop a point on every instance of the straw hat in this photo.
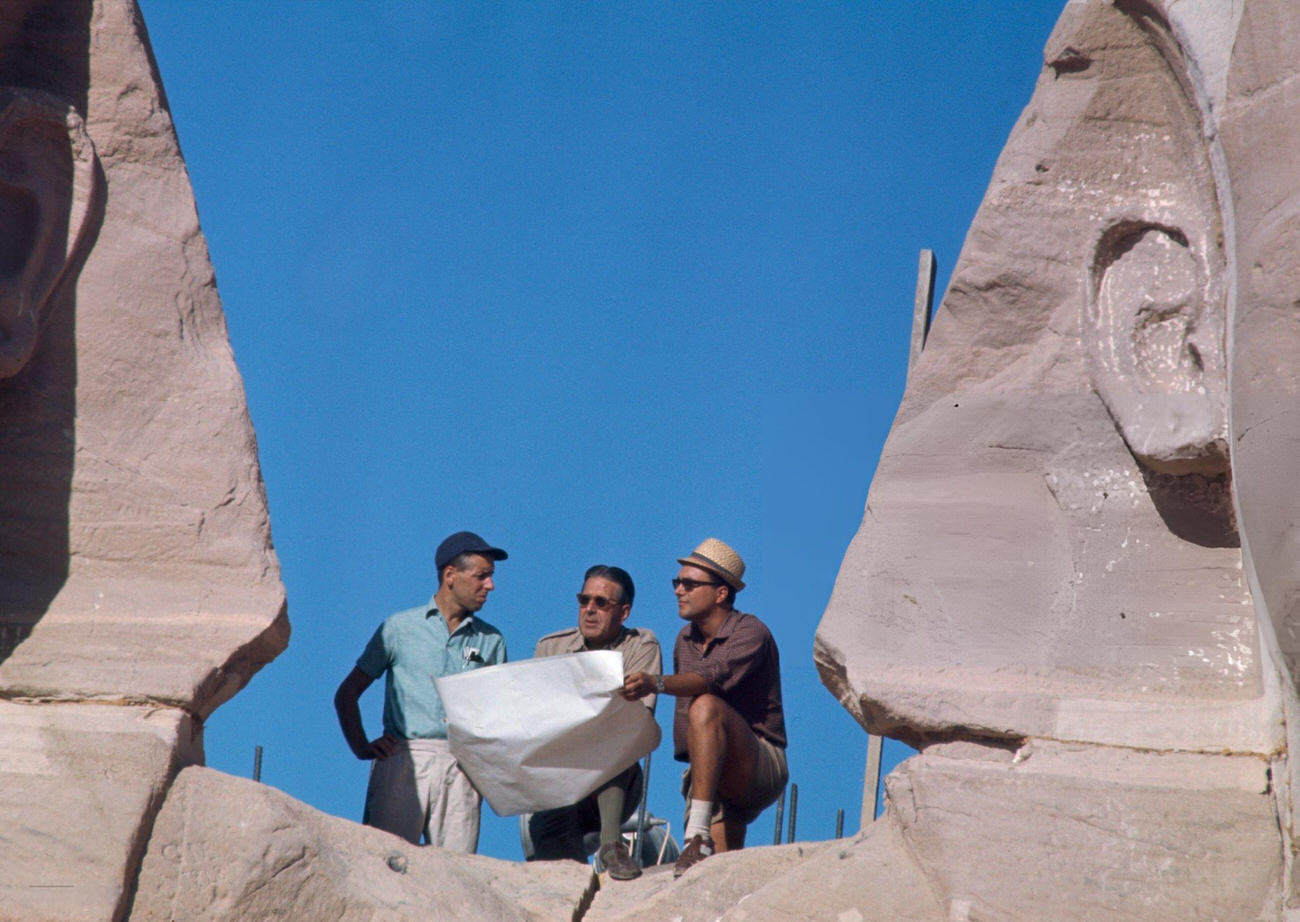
(720, 559)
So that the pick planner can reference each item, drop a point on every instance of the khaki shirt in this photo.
(640, 649)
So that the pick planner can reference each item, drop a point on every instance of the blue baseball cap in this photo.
(464, 542)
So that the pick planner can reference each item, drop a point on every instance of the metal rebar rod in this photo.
(257, 763)
(839, 824)
(780, 817)
(794, 809)
(871, 781)
(922, 307)
(640, 820)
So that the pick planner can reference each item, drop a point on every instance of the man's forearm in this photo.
(349, 712)
(354, 732)
(685, 685)
(681, 685)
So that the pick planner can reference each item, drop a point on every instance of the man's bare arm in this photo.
(683, 685)
(349, 711)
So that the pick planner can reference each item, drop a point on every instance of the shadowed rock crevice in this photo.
(51, 205)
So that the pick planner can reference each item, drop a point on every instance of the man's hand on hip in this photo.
(379, 748)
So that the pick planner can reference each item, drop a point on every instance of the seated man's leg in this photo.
(616, 800)
(560, 833)
(557, 834)
(724, 751)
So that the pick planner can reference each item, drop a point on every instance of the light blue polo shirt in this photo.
(413, 647)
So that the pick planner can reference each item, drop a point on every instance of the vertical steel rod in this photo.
(640, 820)
(794, 809)
(257, 763)
(780, 817)
(921, 308)
(839, 824)
(871, 782)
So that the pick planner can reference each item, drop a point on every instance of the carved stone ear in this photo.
(1157, 348)
(49, 190)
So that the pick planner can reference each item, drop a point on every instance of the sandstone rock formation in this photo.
(225, 848)
(134, 532)
(1075, 585)
(140, 589)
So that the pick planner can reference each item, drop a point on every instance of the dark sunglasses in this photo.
(601, 603)
(690, 585)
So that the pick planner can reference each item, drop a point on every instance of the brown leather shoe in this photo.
(618, 863)
(696, 850)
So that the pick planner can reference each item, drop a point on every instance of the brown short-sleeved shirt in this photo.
(640, 649)
(742, 667)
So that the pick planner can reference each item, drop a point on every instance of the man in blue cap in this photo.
(416, 788)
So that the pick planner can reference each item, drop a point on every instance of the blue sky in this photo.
(594, 280)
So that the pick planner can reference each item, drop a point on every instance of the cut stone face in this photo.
(226, 848)
(1081, 538)
(1051, 546)
(79, 786)
(1058, 832)
(139, 588)
(133, 526)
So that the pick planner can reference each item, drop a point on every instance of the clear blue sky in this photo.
(595, 280)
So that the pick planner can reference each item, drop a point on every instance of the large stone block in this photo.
(1083, 525)
(1050, 547)
(225, 848)
(707, 892)
(133, 527)
(79, 786)
(1064, 833)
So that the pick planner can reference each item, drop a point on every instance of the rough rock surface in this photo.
(1084, 832)
(1028, 545)
(79, 785)
(139, 589)
(1074, 586)
(1078, 553)
(706, 892)
(133, 527)
(225, 848)
(787, 883)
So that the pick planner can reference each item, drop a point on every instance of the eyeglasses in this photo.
(690, 585)
(601, 603)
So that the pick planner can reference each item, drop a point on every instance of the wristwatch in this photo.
(659, 684)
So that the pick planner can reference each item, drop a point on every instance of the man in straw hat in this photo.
(728, 721)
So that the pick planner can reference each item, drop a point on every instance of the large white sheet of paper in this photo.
(544, 733)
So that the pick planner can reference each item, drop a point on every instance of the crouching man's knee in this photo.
(706, 709)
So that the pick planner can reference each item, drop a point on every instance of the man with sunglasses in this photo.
(603, 606)
(729, 723)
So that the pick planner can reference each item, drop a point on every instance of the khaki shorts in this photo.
(770, 777)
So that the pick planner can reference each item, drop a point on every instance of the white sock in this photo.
(698, 818)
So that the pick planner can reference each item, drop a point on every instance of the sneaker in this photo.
(618, 862)
(696, 850)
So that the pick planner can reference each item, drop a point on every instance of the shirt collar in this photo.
(623, 631)
(724, 629)
(467, 622)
